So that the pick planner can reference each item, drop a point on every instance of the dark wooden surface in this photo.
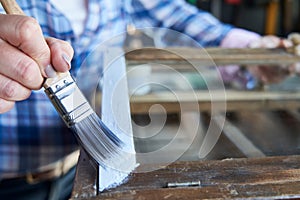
(85, 185)
(270, 177)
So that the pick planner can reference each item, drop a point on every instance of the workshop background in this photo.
(279, 17)
(276, 17)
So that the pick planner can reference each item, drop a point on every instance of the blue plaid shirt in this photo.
(32, 134)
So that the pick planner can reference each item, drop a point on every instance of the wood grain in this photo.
(269, 177)
(11, 7)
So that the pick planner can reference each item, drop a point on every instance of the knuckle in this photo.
(67, 44)
(26, 28)
(9, 91)
(68, 47)
(27, 73)
(60, 44)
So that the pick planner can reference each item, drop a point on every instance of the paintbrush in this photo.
(93, 135)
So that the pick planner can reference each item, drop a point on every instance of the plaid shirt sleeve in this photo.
(201, 26)
(179, 16)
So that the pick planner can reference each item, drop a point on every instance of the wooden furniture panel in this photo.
(269, 178)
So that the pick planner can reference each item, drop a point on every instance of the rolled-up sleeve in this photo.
(179, 16)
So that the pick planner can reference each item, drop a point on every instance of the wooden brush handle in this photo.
(11, 7)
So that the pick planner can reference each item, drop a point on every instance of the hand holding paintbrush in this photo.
(26, 53)
(26, 58)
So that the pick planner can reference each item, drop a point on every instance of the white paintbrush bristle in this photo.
(99, 142)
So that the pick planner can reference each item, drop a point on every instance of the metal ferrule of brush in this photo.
(68, 99)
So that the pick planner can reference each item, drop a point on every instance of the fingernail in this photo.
(50, 72)
(67, 60)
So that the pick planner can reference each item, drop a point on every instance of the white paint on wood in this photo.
(116, 115)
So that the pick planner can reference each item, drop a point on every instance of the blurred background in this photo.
(279, 17)
(256, 129)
